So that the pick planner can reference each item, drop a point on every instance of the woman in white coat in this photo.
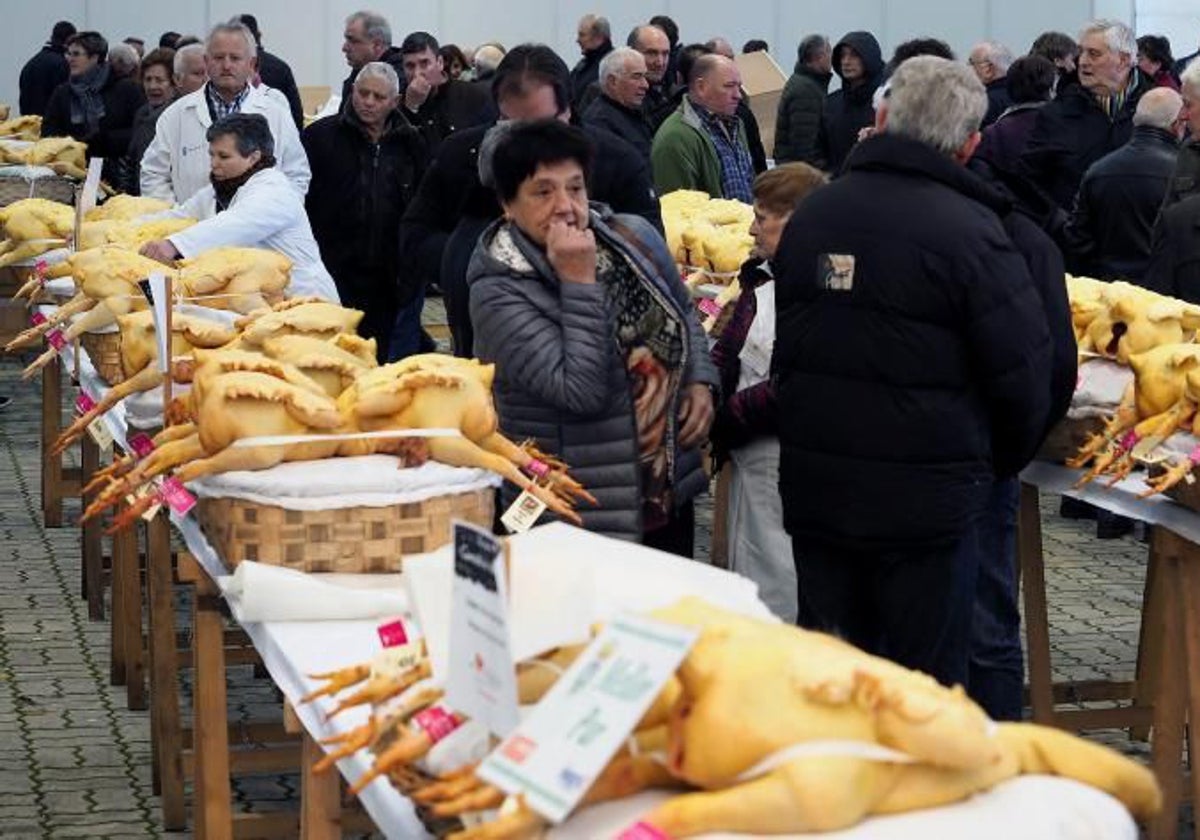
(249, 203)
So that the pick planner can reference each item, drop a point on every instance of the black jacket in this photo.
(1109, 235)
(798, 121)
(450, 200)
(1185, 180)
(585, 73)
(849, 111)
(141, 133)
(1175, 262)
(998, 100)
(658, 105)
(358, 193)
(452, 107)
(276, 73)
(1071, 133)
(628, 124)
(758, 155)
(123, 98)
(912, 356)
(392, 56)
(40, 76)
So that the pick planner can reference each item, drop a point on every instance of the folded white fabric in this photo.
(1101, 385)
(258, 592)
(336, 483)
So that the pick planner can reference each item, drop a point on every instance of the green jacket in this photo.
(683, 155)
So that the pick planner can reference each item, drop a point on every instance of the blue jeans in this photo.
(997, 673)
(406, 334)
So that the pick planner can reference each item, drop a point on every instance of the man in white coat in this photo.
(249, 203)
(175, 166)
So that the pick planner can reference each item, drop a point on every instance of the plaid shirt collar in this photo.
(737, 168)
(219, 107)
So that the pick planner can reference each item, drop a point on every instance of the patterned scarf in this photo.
(87, 106)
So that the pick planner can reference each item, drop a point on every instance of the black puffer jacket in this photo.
(452, 107)
(912, 356)
(1175, 263)
(631, 126)
(1111, 228)
(849, 111)
(358, 193)
(798, 120)
(122, 100)
(1185, 180)
(1071, 133)
(276, 73)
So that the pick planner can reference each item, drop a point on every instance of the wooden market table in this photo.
(1165, 692)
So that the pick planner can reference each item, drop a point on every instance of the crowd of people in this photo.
(902, 343)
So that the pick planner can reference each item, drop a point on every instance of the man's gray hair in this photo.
(375, 26)
(233, 27)
(935, 101)
(1190, 77)
(1118, 36)
(123, 59)
(613, 64)
(380, 70)
(599, 26)
(811, 47)
(183, 54)
(1159, 108)
(999, 55)
(486, 59)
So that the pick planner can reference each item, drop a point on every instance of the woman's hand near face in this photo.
(572, 253)
(695, 416)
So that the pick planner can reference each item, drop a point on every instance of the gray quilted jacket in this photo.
(560, 377)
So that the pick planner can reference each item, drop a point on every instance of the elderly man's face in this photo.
(720, 90)
(629, 86)
(1102, 69)
(193, 77)
(229, 63)
(1191, 109)
(373, 99)
(656, 50)
(586, 36)
(357, 47)
(984, 69)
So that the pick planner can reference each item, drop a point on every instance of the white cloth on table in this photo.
(261, 592)
(175, 166)
(759, 548)
(267, 213)
(333, 484)
(1099, 389)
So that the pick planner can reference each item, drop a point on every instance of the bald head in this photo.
(721, 47)
(716, 84)
(655, 48)
(1160, 108)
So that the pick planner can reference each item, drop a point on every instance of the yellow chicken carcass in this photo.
(248, 278)
(127, 208)
(1136, 320)
(301, 316)
(725, 250)
(33, 226)
(28, 127)
(128, 233)
(65, 155)
(751, 692)
(433, 391)
(1086, 297)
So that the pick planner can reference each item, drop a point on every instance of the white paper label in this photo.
(100, 434)
(561, 748)
(91, 186)
(523, 514)
(162, 300)
(482, 680)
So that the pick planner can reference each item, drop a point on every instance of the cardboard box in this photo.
(763, 81)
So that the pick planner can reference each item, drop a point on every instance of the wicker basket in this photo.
(353, 540)
(52, 187)
(104, 349)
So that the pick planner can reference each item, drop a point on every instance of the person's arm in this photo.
(257, 213)
(674, 164)
(563, 364)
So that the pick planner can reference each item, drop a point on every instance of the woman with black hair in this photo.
(1156, 62)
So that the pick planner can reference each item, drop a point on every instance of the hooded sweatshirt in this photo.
(849, 110)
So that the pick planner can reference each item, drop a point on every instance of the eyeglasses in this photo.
(77, 54)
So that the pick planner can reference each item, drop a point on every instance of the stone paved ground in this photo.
(75, 763)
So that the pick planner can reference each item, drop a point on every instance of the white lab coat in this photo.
(265, 213)
(175, 166)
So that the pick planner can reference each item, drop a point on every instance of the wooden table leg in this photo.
(52, 471)
(165, 726)
(1170, 703)
(1037, 619)
(320, 794)
(1150, 638)
(117, 648)
(1188, 593)
(719, 552)
(92, 538)
(214, 816)
(127, 579)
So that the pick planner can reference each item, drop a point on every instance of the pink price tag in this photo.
(177, 496)
(56, 340)
(1194, 457)
(84, 403)
(393, 634)
(1129, 441)
(140, 445)
(709, 307)
(39, 269)
(37, 319)
(538, 469)
(436, 722)
(642, 831)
